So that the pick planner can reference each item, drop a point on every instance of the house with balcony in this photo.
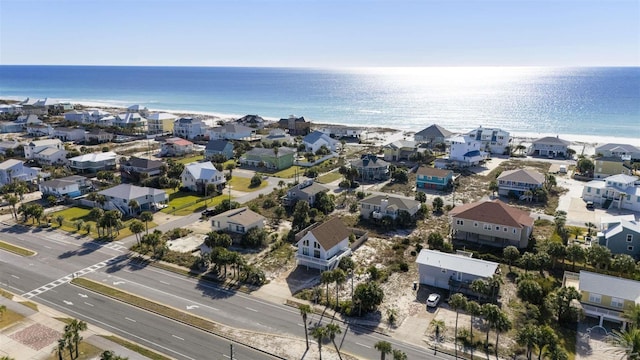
(69, 134)
(454, 272)
(432, 135)
(97, 136)
(604, 297)
(28, 120)
(94, 162)
(59, 188)
(433, 178)
(10, 127)
(605, 166)
(621, 235)
(14, 170)
(40, 130)
(278, 135)
(161, 123)
(36, 146)
(549, 146)
(519, 181)
(371, 168)
(306, 191)
(295, 125)
(190, 128)
(119, 196)
(315, 140)
(623, 151)
(131, 120)
(493, 140)
(135, 167)
(400, 150)
(231, 131)
(197, 176)
(492, 223)
(252, 121)
(322, 245)
(9, 147)
(222, 148)
(614, 192)
(238, 221)
(268, 158)
(51, 156)
(339, 131)
(176, 147)
(379, 206)
(466, 151)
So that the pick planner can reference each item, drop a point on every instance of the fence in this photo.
(316, 162)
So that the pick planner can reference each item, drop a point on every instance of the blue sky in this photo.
(322, 33)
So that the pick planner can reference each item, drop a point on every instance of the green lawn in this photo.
(242, 184)
(329, 177)
(190, 159)
(16, 249)
(290, 172)
(183, 198)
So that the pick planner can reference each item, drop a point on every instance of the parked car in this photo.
(589, 205)
(208, 212)
(433, 300)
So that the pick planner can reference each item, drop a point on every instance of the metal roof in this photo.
(458, 263)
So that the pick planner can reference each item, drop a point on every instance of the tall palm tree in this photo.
(493, 286)
(399, 355)
(133, 205)
(491, 314)
(501, 325)
(136, 227)
(632, 315)
(332, 331)
(474, 309)
(320, 334)
(526, 337)
(457, 302)
(589, 225)
(339, 277)
(326, 278)
(101, 199)
(384, 347)
(438, 330)
(304, 311)
(75, 327)
(546, 336)
(59, 349)
(146, 216)
(575, 252)
(555, 352)
(13, 200)
(627, 342)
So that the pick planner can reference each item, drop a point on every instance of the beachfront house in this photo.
(14, 170)
(492, 223)
(614, 192)
(611, 165)
(279, 159)
(493, 140)
(623, 151)
(519, 182)
(549, 146)
(97, 136)
(295, 125)
(176, 147)
(68, 134)
(306, 191)
(252, 121)
(131, 120)
(604, 297)
(621, 235)
(161, 123)
(432, 135)
(465, 151)
(215, 148)
(36, 146)
(315, 140)
(399, 150)
(230, 131)
(59, 188)
(371, 168)
(454, 272)
(136, 168)
(428, 177)
(340, 131)
(120, 196)
(94, 162)
(238, 221)
(379, 206)
(189, 128)
(198, 176)
(278, 135)
(322, 245)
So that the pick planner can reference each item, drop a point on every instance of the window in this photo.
(459, 222)
(305, 242)
(305, 251)
(444, 271)
(505, 229)
(629, 237)
(514, 231)
(629, 248)
(316, 254)
(617, 303)
(475, 224)
(316, 245)
(497, 228)
(487, 227)
(595, 298)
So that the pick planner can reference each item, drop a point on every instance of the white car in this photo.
(433, 300)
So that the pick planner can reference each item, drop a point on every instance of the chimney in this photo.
(383, 204)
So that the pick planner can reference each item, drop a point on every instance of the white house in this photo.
(189, 128)
(317, 139)
(196, 176)
(68, 134)
(36, 146)
(454, 272)
(623, 151)
(323, 245)
(549, 146)
(51, 156)
(60, 188)
(40, 130)
(617, 191)
(493, 140)
(230, 132)
(379, 206)
(238, 220)
(14, 170)
(339, 131)
(94, 162)
(176, 147)
(278, 135)
(130, 120)
(161, 123)
(119, 196)
(466, 151)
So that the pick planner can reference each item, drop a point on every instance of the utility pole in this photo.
(231, 354)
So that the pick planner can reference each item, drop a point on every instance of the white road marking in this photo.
(130, 319)
(15, 277)
(178, 337)
(48, 247)
(118, 283)
(367, 346)
(67, 302)
(164, 282)
(302, 325)
(83, 296)
(191, 307)
(250, 309)
(88, 304)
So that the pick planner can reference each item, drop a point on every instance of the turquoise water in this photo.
(580, 101)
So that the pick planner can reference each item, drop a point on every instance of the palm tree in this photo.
(527, 336)
(632, 315)
(474, 309)
(493, 286)
(339, 277)
(304, 311)
(59, 349)
(133, 205)
(146, 216)
(502, 324)
(491, 314)
(275, 152)
(546, 336)
(332, 331)
(479, 286)
(75, 326)
(575, 252)
(456, 302)
(555, 352)
(384, 347)
(320, 334)
(13, 200)
(326, 278)
(627, 342)
(511, 254)
(136, 227)
(438, 330)
(589, 225)
(399, 355)
(101, 199)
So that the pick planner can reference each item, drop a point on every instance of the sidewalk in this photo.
(36, 335)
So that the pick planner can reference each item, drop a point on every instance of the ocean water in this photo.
(579, 101)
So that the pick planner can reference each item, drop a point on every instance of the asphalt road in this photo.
(60, 255)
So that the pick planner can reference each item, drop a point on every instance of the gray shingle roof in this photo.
(264, 151)
(398, 202)
(435, 131)
(128, 191)
(217, 145)
(522, 175)
(552, 140)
